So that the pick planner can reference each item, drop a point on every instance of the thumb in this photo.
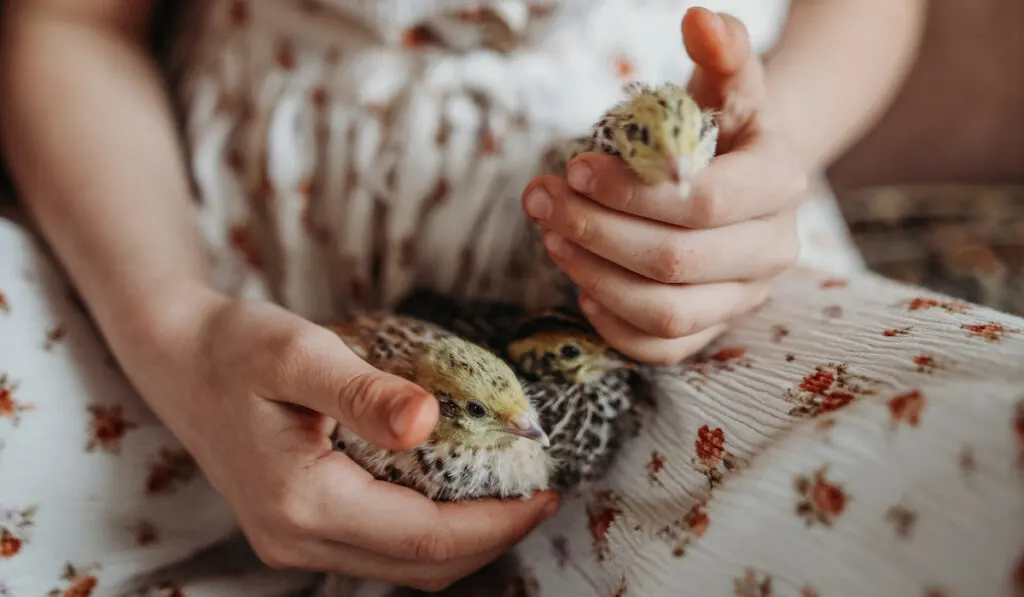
(384, 409)
(716, 42)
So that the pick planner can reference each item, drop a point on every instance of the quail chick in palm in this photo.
(586, 394)
(488, 441)
(661, 133)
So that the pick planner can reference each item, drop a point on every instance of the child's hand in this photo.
(249, 388)
(660, 273)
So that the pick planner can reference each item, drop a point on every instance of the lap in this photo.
(92, 486)
(851, 436)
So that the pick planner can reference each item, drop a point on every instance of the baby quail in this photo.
(488, 441)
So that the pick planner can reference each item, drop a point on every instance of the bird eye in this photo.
(570, 351)
(475, 409)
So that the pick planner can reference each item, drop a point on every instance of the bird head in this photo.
(663, 134)
(560, 348)
(481, 401)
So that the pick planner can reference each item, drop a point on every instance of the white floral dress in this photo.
(852, 437)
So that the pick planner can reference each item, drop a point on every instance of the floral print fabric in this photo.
(854, 436)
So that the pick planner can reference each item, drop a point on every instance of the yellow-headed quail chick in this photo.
(585, 393)
(488, 441)
(661, 133)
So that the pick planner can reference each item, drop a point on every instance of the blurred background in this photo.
(935, 194)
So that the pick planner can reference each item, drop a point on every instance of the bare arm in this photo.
(837, 66)
(88, 134)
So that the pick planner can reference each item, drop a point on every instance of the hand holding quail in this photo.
(665, 244)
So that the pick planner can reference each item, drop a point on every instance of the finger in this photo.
(417, 529)
(315, 369)
(327, 556)
(727, 75)
(663, 310)
(751, 249)
(716, 42)
(641, 346)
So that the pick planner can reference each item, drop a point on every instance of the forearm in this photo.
(836, 67)
(89, 138)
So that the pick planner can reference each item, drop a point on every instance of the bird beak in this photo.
(678, 168)
(524, 426)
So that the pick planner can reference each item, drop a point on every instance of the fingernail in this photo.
(589, 306)
(580, 177)
(718, 24)
(403, 415)
(557, 246)
(538, 204)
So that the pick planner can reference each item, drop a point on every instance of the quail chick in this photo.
(488, 441)
(661, 133)
(585, 393)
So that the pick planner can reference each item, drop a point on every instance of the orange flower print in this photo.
(906, 408)
(5, 307)
(489, 144)
(929, 364)
(935, 592)
(10, 408)
(171, 469)
(681, 533)
(922, 303)
(715, 360)
(992, 332)
(808, 592)
(285, 55)
(729, 354)
(145, 533)
(819, 500)
(712, 458)
(417, 37)
(75, 583)
(902, 519)
(710, 445)
(602, 513)
(751, 584)
(897, 332)
(10, 544)
(53, 336)
(828, 389)
(241, 239)
(833, 283)
(654, 467)
(107, 428)
(623, 67)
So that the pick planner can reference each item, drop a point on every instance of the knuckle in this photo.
(674, 263)
(670, 324)
(360, 396)
(436, 546)
(579, 226)
(709, 209)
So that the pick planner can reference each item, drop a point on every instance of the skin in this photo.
(88, 134)
(662, 273)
